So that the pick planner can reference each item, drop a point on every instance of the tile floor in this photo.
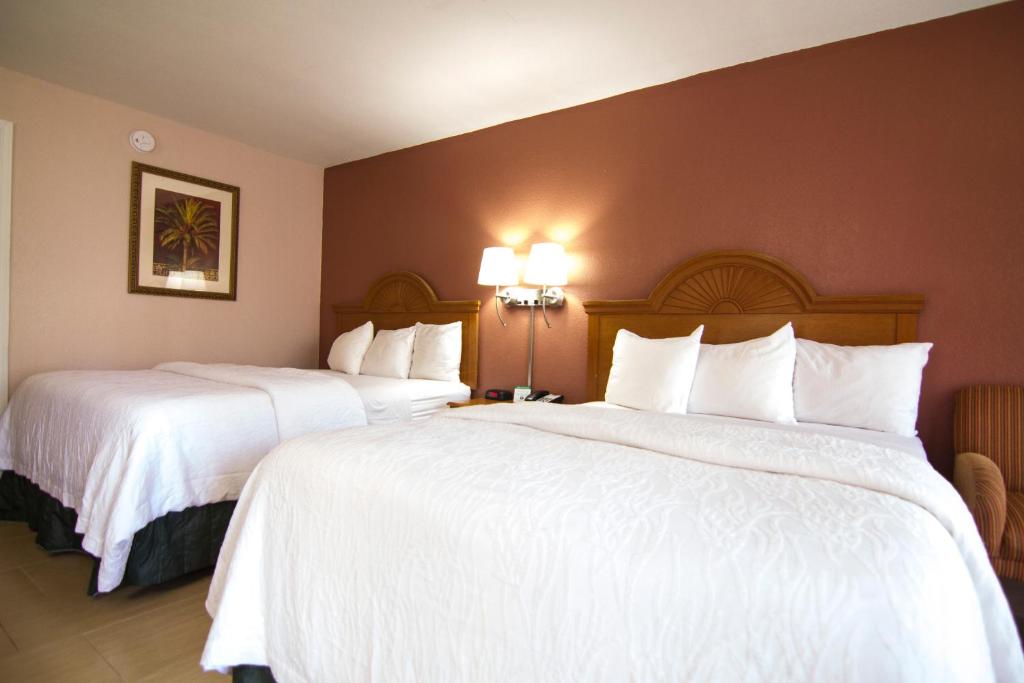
(50, 630)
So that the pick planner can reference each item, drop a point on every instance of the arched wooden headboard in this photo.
(740, 295)
(403, 299)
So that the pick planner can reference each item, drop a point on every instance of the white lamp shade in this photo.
(547, 265)
(498, 267)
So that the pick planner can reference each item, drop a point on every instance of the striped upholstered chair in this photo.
(988, 425)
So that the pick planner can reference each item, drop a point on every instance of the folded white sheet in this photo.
(304, 400)
(545, 542)
(389, 399)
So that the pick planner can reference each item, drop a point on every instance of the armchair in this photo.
(988, 439)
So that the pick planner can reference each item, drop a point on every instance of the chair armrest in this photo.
(981, 485)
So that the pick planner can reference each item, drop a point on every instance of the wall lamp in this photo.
(546, 266)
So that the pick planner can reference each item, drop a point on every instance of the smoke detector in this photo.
(142, 140)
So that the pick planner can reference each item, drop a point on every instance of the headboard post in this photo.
(401, 300)
(740, 295)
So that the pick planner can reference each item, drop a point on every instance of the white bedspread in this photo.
(124, 448)
(557, 543)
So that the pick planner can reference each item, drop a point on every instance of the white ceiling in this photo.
(329, 81)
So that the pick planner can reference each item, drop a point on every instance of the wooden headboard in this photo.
(740, 295)
(403, 299)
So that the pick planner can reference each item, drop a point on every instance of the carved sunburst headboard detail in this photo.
(731, 289)
(732, 282)
(398, 294)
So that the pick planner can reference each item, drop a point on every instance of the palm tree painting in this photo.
(186, 234)
(182, 235)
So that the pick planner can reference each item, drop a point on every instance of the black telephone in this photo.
(542, 396)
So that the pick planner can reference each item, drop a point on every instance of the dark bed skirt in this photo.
(252, 674)
(169, 547)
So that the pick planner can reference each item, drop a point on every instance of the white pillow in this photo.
(652, 374)
(390, 354)
(871, 387)
(751, 379)
(349, 348)
(437, 352)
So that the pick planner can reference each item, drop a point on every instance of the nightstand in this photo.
(481, 401)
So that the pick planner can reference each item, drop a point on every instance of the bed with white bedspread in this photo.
(540, 542)
(799, 533)
(124, 448)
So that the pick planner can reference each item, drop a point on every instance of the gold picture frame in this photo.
(182, 235)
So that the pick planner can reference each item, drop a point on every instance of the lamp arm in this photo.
(496, 309)
(543, 305)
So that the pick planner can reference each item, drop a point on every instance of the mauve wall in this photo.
(892, 163)
(70, 306)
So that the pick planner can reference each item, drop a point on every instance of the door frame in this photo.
(6, 198)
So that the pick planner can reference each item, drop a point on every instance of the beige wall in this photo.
(69, 302)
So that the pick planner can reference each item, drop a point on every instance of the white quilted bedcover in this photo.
(564, 543)
(123, 448)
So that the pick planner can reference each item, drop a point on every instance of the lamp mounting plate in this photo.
(530, 296)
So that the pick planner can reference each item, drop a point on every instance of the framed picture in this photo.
(183, 235)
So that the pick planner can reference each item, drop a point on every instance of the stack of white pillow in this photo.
(418, 352)
(777, 378)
